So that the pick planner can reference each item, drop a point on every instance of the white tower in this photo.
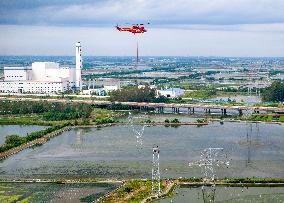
(78, 66)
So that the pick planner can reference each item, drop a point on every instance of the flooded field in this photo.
(52, 192)
(247, 99)
(21, 130)
(112, 152)
(227, 194)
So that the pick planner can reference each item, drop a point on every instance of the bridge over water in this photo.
(160, 107)
(206, 107)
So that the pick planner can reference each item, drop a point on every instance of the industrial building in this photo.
(43, 77)
(101, 91)
(171, 92)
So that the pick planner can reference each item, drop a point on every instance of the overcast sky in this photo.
(178, 27)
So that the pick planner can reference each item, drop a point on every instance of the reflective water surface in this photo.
(21, 130)
(252, 149)
(247, 99)
(52, 192)
(227, 194)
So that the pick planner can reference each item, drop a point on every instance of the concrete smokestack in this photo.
(78, 66)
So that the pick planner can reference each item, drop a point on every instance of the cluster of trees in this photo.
(172, 121)
(12, 141)
(135, 94)
(274, 93)
(201, 120)
(23, 107)
(68, 112)
(50, 111)
(103, 120)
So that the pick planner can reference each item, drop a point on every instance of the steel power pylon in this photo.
(138, 129)
(210, 158)
(156, 185)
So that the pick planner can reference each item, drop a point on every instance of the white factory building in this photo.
(43, 77)
(171, 92)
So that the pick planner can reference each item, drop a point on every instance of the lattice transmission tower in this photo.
(156, 185)
(210, 158)
(138, 124)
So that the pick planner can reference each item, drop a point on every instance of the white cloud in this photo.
(178, 27)
(165, 12)
(272, 27)
(242, 40)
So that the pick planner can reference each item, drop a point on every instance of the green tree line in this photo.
(12, 141)
(50, 111)
(135, 94)
(274, 93)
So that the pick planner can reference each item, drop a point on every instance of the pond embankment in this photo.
(38, 141)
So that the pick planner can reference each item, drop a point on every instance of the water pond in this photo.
(113, 152)
(226, 194)
(52, 192)
(247, 99)
(21, 130)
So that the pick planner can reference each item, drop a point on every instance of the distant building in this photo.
(110, 88)
(97, 91)
(101, 91)
(278, 77)
(101, 82)
(171, 92)
(143, 86)
(43, 77)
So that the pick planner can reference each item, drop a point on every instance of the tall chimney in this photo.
(78, 66)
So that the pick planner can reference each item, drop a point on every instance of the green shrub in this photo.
(148, 121)
(51, 111)
(12, 141)
(15, 140)
(103, 120)
(175, 121)
(201, 120)
(274, 93)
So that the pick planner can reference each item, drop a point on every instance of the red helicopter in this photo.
(135, 29)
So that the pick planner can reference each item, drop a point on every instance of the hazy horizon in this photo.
(237, 28)
(144, 56)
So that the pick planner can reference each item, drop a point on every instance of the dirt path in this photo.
(132, 194)
(165, 192)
